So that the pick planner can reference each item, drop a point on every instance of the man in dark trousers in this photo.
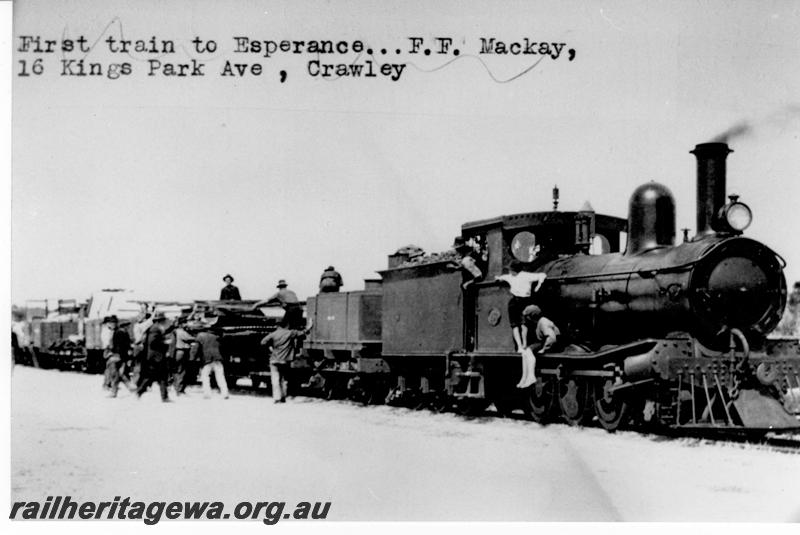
(117, 355)
(181, 344)
(330, 281)
(229, 292)
(284, 344)
(155, 367)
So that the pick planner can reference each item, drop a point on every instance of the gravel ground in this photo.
(375, 463)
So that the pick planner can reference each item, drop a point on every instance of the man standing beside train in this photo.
(207, 350)
(117, 355)
(284, 344)
(155, 367)
(181, 344)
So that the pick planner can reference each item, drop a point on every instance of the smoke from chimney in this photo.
(781, 119)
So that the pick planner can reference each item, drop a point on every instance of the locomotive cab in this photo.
(535, 239)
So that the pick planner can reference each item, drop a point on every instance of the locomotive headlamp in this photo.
(736, 215)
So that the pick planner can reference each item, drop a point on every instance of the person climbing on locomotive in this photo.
(521, 286)
(283, 343)
(467, 263)
(207, 350)
(155, 367)
(546, 336)
(229, 292)
(117, 354)
(293, 312)
(330, 281)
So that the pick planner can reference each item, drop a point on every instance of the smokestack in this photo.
(710, 183)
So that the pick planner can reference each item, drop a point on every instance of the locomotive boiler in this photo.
(717, 283)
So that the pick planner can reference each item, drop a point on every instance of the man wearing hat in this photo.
(293, 312)
(330, 281)
(117, 353)
(467, 263)
(229, 292)
(180, 347)
(283, 345)
(155, 367)
(546, 334)
(284, 295)
(207, 351)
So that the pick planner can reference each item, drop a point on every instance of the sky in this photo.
(163, 184)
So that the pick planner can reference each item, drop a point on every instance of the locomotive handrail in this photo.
(641, 272)
(780, 259)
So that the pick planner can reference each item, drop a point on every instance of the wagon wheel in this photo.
(376, 394)
(442, 402)
(574, 399)
(539, 401)
(393, 397)
(611, 408)
(422, 401)
(356, 391)
(82, 366)
(330, 390)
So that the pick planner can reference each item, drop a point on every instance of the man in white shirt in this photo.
(521, 286)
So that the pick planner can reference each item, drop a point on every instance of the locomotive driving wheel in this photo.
(611, 409)
(540, 400)
(573, 398)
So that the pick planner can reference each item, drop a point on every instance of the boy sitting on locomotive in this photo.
(546, 334)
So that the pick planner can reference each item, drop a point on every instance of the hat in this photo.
(110, 319)
(531, 311)
(282, 284)
(228, 276)
(330, 268)
(459, 243)
(159, 316)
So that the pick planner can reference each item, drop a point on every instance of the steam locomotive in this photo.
(666, 334)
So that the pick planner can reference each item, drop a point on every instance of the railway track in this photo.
(782, 442)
